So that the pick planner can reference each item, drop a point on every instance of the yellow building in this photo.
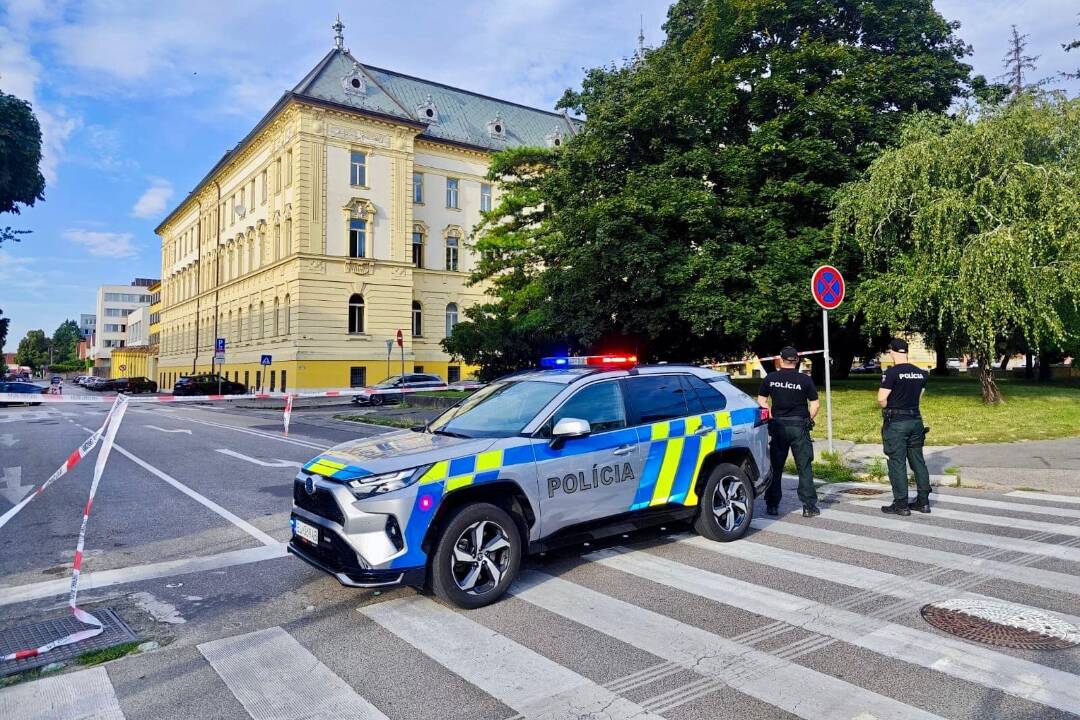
(341, 219)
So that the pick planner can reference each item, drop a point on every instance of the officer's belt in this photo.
(791, 420)
(889, 413)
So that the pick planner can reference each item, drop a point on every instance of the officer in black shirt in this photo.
(794, 407)
(903, 432)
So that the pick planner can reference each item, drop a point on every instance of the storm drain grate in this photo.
(24, 637)
(1002, 624)
(863, 491)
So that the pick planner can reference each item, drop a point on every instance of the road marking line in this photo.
(1038, 526)
(1036, 577)
(973, 663)
(791, 687)
(257, 433)
(136, 573)
(1071, 499)
(524, 680)
(276, 678)
(11, 487)
(883, 583)
(83, 694)
(8, 440)
(837, 489)
(274, 464)
(915, 526)
(164, 430)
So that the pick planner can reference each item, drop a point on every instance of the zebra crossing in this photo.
(710, 642)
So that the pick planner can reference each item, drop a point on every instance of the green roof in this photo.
(449, 114)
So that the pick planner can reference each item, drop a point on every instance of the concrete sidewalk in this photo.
(1049, 465)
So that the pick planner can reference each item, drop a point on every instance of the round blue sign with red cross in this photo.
(827, 287)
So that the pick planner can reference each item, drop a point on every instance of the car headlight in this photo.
(386, 482)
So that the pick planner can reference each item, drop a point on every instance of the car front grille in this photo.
(320, 503)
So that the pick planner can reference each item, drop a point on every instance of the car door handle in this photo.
(704, 430)
(624, 450)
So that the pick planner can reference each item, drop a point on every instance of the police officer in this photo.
(794, 407)
(903, 432)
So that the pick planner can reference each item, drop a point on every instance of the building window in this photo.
(288, 325)
(251, 197)
(277, 175)
(452, 249)
(277, 242)
(451, 318)
(418, 188)
(358, 169)
(417, 319)
(252, 255)
(262, 320)
(453, 374)
(277, 317)
(356, 314)
(288, 237)
(357, 238)
(262, 187)
(485, 197)
(451, 192)
(357, 377)
(240, 325)
(418, 246)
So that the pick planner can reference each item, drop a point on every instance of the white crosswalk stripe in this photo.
(956, 498)
(1068, 499)
(1016, 523)
(87, 695)
(915, 526)
(528, 682)
(786, 685)
(1035, 577)
(276, 678)
(898, 586)
(965, 661)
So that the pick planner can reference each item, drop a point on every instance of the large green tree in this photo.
(21, 181)
(687, 215)
(971, 229)
(33, 350)
(65, 342)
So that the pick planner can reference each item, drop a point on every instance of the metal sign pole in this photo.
(828, 378)
(389, 348)
(403, 365)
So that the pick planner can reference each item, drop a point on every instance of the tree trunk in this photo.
(990, 393)
(1029, 367)
(1005, 362)
(941, 360)
(1044, 367)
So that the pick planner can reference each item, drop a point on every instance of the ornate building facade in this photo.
(343, 217)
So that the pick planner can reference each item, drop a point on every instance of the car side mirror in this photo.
(568, 429)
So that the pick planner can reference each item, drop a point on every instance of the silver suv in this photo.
(534, 460)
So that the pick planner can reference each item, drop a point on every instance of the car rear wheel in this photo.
(477, 556)
(376, 400)
(727, 504)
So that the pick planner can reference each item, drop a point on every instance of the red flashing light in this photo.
(611, 360)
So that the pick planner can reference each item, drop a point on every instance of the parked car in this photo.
(390, 391)
(207, 384)
(22, 388)
(466, 385)
(93, 382)
(867, 366)
(953, 363)
(56, 380)
(129, 385)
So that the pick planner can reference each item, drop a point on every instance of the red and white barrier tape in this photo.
(763, 359)
(72, 460)
(288, 413)
(96, 627)
(366, 392)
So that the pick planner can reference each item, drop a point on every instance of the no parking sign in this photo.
(827, 286)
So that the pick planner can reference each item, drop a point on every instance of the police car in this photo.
(581, 448)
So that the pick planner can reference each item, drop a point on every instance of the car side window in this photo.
(654, 398)
(600, 403)
(710, 398)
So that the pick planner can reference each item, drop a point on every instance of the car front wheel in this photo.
(727, 504)
(477, 556)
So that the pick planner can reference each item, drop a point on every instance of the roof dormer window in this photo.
(497, 128)
(554, 138)
(427, 112)
(354, 82)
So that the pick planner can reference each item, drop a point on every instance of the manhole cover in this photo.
(863, 491)
(1002, 624)
(36, 635)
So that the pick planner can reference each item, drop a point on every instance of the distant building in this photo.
(342, 219)
(114, 304)
(87, 325)
(138, 357)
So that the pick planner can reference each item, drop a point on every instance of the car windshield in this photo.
(499, 410)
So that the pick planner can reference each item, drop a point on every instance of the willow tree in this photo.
(971, 227)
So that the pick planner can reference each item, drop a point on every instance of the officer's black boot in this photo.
(772, 510)
(900, 507)
(922, 506)
(810, 510)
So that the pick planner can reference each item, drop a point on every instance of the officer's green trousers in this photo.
(794, 437)
(903, 440)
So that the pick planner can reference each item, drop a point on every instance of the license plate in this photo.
(306, 532)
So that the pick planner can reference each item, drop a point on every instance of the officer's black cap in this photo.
(789, 354)
(898, 345)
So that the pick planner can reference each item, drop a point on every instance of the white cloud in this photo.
(153, 202)
(104, 244)
(18, 273)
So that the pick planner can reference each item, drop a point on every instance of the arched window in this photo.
(253, 322)
(453, 246)
(288, 237)
(418, 246)
(417, 319)
(229, 328)
(356, 314)
(277, 317)
(262, 320)
(252, 254)
(451, 318)
(277, 242)
(240, 325)
(288, 316)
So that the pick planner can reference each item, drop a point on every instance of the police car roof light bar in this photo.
(608, 361)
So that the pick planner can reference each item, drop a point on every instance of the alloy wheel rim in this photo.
(729, 503)
(480, 557)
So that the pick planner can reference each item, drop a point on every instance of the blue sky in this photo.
(137, 100)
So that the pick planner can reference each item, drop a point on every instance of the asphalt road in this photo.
(813, 618)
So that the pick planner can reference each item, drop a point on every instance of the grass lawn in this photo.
(457, 394)
(954, 410)
(395, 422)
